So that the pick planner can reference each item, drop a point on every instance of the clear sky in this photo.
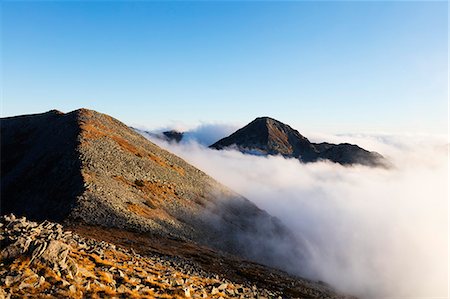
(330, 66)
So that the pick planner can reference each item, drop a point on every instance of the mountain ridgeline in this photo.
(268, 136)
(130, 202)
(85, 167)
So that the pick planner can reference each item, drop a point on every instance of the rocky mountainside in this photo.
(268, 136)
(147, 223)
(87, 167)
(46, 260)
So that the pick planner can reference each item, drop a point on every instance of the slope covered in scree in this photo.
(87, 167)
(268, 136)
(44, 259)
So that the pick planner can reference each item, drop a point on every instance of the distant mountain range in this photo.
(268, 136)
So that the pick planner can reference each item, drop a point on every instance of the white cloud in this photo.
(204, 133)
(207, 133)
(371, 232)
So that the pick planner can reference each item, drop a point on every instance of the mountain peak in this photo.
(55, 111)
(97, 176)
(266, 119)
(98, 171)
(268, 136)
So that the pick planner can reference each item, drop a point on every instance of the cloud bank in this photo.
(207, 134)
(204, 134)
(370, 232)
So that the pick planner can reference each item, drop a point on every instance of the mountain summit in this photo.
(87, 167)
(106, 182)
(268, 136)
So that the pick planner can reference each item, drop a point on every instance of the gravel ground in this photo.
(43, 260)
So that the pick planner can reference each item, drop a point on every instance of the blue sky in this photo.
(322, 66)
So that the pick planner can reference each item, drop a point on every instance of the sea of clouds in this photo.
(371, 232)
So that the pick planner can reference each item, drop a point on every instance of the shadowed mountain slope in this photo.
(268, 136)
(40, 169)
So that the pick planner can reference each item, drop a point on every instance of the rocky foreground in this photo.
(43, 260)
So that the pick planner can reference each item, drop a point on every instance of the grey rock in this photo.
(53, 253)
(223, 286)
(10, 252)
(9, 280)
(214, 291)
(72, 289)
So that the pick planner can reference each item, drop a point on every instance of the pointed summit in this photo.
(268, 136)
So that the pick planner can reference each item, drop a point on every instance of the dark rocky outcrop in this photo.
(173, 135)
(169, 136)
(267, 136)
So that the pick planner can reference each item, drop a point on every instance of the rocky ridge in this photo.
(87, 168)
(44, 260)
(268, 136)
